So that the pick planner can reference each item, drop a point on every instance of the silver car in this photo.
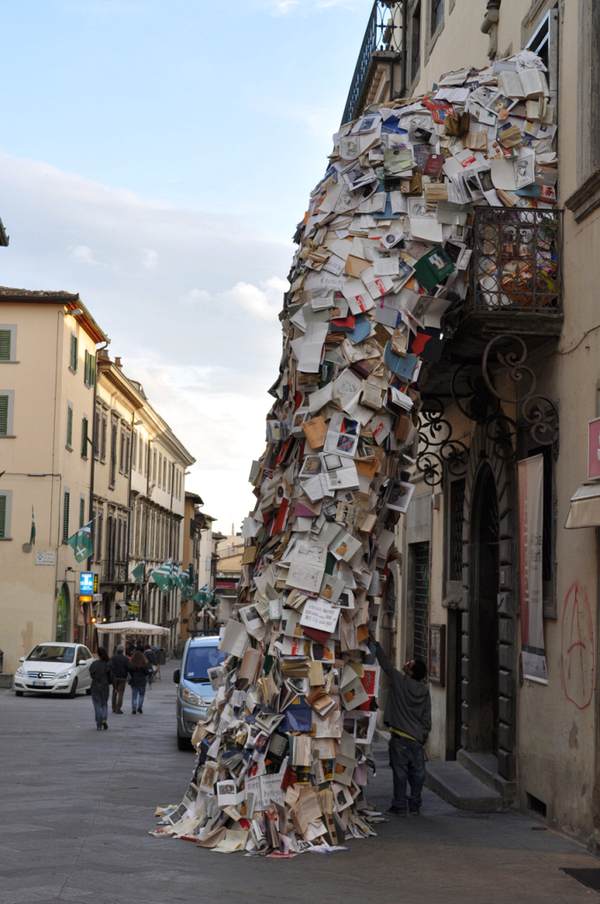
(195, 692)
(54, 668)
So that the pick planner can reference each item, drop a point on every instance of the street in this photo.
(77, 806)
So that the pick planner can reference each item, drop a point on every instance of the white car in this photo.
(54, 668)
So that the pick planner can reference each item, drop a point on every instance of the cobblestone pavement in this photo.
(76, 806)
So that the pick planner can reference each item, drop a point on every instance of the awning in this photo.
(132, 626)
(584, 510)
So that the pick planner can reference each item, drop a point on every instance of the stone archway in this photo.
(489, 472)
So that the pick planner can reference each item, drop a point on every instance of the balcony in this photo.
(378, 72)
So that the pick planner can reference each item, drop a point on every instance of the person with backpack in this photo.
(101, 675)
(138, 669)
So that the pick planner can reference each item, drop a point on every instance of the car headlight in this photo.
(188, 697)
(66, 674)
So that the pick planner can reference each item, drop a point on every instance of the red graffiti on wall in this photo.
(578, 652)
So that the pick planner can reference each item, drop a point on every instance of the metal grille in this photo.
(516, 260)
(420, 595)
(455, 551)
(382, 33)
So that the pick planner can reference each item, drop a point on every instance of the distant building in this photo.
(229, 568)
(199, 559)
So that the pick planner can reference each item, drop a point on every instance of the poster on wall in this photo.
(531, 587)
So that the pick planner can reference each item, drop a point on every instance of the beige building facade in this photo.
(457, 604)
(48, 344)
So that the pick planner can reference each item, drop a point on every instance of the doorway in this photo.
(483, 616)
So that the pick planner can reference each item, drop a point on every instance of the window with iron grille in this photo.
(66, 511)
(419, 595)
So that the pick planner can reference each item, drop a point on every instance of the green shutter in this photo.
(73, 361)
(69, 426)
(5, 337)
(3, 415)
(66, 507)
(2, 517)
(84, 437)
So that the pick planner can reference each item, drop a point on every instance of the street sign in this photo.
(96, 582)
(45, 557)
(594, 449)
(86, 583)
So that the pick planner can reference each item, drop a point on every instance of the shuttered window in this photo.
(69, 439)
(81, 511)
(3, 516)
(4, 401)
(89, 370)
(73, 354)
(84, 437)
(5, 345)
(66, 510)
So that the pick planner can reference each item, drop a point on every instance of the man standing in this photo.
(408, 717)
(119, 665)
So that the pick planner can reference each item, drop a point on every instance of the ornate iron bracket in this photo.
(437, 451)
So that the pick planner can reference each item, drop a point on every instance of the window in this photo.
(69, 439)
(456, 498)
(436, 16)
(65, 521)
(114, 434)
(415, 41)
(84, 437)
(81, 511)
(74, 353)
(104, 431)
(6, 412)
(134, 440)
(89, 370)
(98, 535)
(7, 343)
(5, 507)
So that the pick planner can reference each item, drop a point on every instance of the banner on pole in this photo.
(531, 531)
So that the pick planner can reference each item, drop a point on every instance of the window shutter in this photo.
(69, 426)
(73, 361)
(66, 507)
(84, 437)
(81, 511)
(5, 337)
(2, 517)
(3, 415)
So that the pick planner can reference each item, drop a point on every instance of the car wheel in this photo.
(18, 693)
(73, 690)
(183, 743)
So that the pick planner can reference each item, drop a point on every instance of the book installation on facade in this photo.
(383, 255)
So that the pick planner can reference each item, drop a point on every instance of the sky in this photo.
(155, 157)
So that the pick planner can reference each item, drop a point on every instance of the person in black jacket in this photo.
(101, 676)
(138, 676)
(119, 664)
(408, 717)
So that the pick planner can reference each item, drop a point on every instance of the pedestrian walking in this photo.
(119, 666)
(138, 675)
(151, 657)
(100, 673)
(408, 716)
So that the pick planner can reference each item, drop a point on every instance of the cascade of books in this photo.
(383, 255)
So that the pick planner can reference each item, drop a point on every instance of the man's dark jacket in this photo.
(408, 705)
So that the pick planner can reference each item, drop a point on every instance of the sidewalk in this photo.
(77, 806)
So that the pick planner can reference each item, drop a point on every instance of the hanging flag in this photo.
(32, 531)
(81, 542)
(138, 573)
(163, 576)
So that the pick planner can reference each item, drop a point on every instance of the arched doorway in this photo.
(483, 615)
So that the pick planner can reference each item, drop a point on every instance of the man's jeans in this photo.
(117, 694)
(407, 760)
(100, 708)
(137, 698)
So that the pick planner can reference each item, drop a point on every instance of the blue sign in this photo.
(86, 583)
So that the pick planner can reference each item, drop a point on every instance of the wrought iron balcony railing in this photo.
(516, 264)
(383, 35)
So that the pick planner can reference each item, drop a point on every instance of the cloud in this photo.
(149, 258)
(83, 253)
(199, 329)
(285, 7)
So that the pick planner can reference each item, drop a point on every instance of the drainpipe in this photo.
(128, 541)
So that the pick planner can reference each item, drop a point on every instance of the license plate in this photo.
(39, 684)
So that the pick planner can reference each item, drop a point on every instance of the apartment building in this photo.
(48, 343)
(535, 743)
(200, 561)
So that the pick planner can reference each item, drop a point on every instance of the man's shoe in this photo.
(140, 710)
(397, 811)
(105, 725)
(133, 712)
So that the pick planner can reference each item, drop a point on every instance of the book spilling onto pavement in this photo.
(383, 254)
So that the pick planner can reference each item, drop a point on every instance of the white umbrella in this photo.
(131, 627)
